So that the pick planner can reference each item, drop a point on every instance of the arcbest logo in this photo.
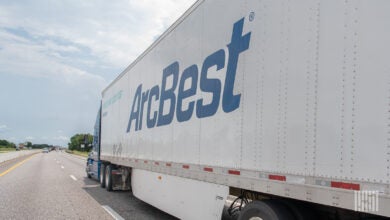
(164, 95)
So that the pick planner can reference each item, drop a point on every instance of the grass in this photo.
(6, 149)
(79, 153)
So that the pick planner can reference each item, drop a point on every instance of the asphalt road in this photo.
(54, 186)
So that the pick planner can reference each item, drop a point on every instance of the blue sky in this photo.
(57, 56)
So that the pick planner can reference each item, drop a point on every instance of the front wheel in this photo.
(102, 175)
(265, 210)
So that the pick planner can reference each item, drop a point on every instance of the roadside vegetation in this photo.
(4, 149)
(79, 153)
(6, 146)
(81, 142)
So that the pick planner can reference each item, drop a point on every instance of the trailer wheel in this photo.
(108, 176)
(265, 210)
(102, 175)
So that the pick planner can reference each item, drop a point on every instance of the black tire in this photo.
(300, 210)
(102, 176)
(108, 177)
(265, 210)
(89, 176)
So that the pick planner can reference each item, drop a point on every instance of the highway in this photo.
(54, 186)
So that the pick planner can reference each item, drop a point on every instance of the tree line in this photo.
(6, 144)
(81, 142)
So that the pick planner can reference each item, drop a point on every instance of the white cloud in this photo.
(4, 128)
(39, 60)
(116, 32)
(61, 138)
(29, 138)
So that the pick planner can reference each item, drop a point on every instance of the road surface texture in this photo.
(54, 186)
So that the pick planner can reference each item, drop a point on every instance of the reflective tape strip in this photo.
(343, 185)
(234, 172)
(277, 177)
(208, 169)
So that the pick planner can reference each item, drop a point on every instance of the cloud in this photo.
(29, 138)
(61, 138)
(115, 33)
(42, 58)
(4, 128)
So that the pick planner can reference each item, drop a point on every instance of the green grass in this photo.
(79, 153)
(6, 149)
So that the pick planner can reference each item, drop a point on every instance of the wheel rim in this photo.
(101, 176)
(255, 218)
(107, 175)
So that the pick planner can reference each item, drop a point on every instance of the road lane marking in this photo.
(16, 165)
(62, 167)
(110, 211)
(74, 178)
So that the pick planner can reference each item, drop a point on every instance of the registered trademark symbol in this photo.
(251, 16)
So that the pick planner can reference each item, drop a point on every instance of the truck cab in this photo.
(93, 161)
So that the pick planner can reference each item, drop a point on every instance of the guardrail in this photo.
(16, 154)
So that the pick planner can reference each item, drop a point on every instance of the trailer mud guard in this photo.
(185, 198)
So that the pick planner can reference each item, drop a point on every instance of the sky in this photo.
(56, 57)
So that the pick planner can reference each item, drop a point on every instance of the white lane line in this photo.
(74, 178)
(110, 211)
(62, 167)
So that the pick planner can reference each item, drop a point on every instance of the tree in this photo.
(78, 139)
(5, 143)
(40, 146)
(29, 144)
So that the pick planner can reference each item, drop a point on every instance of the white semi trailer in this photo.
(281, 105)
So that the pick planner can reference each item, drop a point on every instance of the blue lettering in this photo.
(151, 122)
(143, 100)
(210, 85)
(238, 44)
(168, 94)
(134, 115)
(192, 74)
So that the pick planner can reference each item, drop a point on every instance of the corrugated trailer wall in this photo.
(314, 88)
